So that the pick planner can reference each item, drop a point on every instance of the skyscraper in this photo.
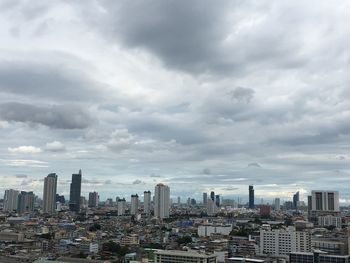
(325, 200)
(205, 199)
(134, 204)
(277, 204)
(10, 200)
(121, 205)
(217, 200)
(251, 197)
(25, 202)
(295, 200)
(161, 201)
(93, 199)
(50, 189)
(147, 202)
(212, 196)
(75, 192)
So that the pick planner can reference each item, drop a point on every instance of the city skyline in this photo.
(215, 98)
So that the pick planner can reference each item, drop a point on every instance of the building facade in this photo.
(75, 192)
(50, 190)
(161, 201)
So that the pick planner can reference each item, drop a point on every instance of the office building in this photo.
(75, 192)
(296, 199)
(251, 197)
(121, 206)
(147, 202)
(277, 204)
(179, 256)
(205, 199)
(325, 200)
(161, 201)
(217, 200)
(207, 230)
(212, 195)
(25, 202)
(49, 197)
(281, 242)
(93, 199)
(317, 257)
(134, 204)
(10, 200)
(212, 209)
(329, 220)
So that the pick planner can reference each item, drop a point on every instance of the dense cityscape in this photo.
(151, 227)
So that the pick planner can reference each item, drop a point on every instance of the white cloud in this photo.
(24, 149)
(55, 146)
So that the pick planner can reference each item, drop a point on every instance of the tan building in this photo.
(178, 256)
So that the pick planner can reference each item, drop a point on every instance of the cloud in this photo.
(55, 146)
(254, 165)
(21, 176)
(242, 94)
(137, 182)
(25, 163)
(24, 149)
(153, 175)
(55, 116)
(206, 171)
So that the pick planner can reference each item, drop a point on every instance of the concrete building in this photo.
(147, 202)
(11, 236)
(251, 197)
(325, 200)
(179, 256)
(329, 220)
(121, 206)
(25, 202)
(281, 242)
(75, 192)
(208, 230)
(205, 199)
(50, 190)
(93, 199)
(10, 200)
(318, 256)
(212, 209)
(296, 199)
(162, 201)
(277, 204)
(134, 204)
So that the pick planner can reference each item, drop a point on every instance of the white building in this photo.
(161, 201)
(93, 199)
(281, 242)
(179, 256)
(212, 209)
(88, 248)
(277, 204)
(121, 206)
(10, 200)
(329, 220)
(325, 200)
(207, 230)
(50, 189)
(147, 202)
(134, 204)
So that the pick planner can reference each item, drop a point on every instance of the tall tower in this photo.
(205, 199)
(212, 196)
(93, 199)
(25, 202)
(50, 189)
(121, 204)
(134, 204)
(161, 201)
(147, 202)
(251, 197)
(295, 200)
(10, 200)
(75, 192)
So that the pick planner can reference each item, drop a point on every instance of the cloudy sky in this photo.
(200, 95)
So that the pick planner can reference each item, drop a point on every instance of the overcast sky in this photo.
(200, 95)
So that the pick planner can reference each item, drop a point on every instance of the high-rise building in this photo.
(93, 199)
(10, 200)
(121, 206)
(50, 189)
(178, 200)
(134, 204)
(147, 202)
(212, 195)
(251, 197)
(205, 199)
(212, 209)
(75, 191)
(277, 204)
(217, 200)
(325, 200)
(25, 202)
(161, 201)
(296, 200)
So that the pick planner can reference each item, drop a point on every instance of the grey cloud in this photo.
(230, 188)
(206, 171)
(55, 146)
(254, 165)
(137, 182)
(155, 175)
(60, 81)
(242, 94)
(56, 116)
(21, 176)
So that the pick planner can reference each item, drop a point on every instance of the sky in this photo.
(199, 95)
